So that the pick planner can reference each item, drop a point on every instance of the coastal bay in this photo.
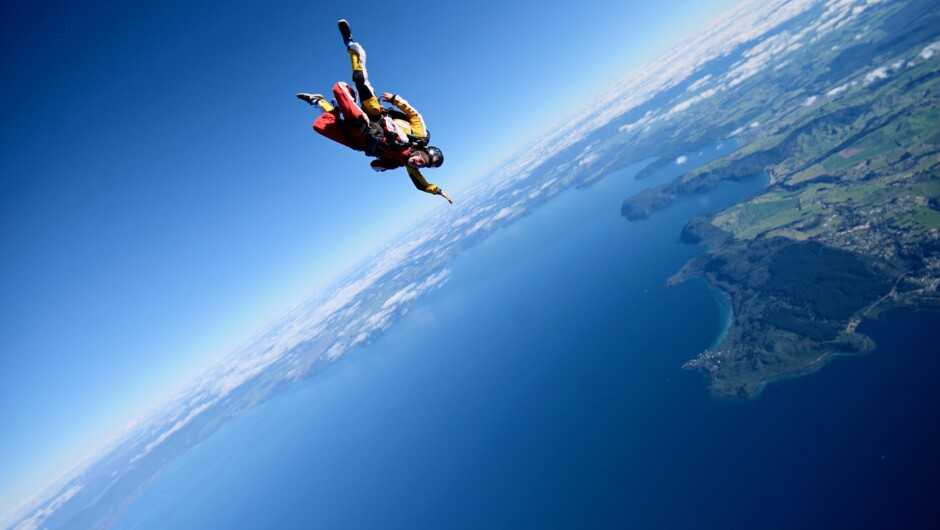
(849, 223)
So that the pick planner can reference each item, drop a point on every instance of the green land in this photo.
(849, 226)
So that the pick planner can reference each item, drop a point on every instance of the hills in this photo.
(847, 128)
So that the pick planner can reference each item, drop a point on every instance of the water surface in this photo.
(541, 388)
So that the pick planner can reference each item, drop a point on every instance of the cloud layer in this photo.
(383, 288)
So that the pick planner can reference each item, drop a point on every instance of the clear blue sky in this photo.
(163, 195)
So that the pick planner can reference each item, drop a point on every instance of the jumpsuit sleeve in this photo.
(414, 118)
(421, 183)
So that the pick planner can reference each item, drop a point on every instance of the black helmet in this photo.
(435, 156)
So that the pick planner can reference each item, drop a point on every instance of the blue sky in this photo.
(163, 195)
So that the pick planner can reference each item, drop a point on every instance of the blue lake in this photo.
(541, 388)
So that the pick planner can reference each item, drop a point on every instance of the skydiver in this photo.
(395, 139)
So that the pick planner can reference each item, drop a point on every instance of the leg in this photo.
(347, 105)
(357, 57)
(315, 99)
(344, 131)
(329, 125)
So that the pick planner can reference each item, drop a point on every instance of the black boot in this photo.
(345, 31)
(312, 99)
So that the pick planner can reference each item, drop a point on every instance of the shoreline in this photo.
(726, 320)
(725, 313)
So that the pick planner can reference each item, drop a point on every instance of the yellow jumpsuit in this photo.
(414, 126)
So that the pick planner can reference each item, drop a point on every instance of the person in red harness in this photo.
(395, 137)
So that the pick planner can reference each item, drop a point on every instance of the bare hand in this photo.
(446, 196)
(388, 96)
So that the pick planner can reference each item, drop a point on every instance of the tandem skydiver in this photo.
(395, 137)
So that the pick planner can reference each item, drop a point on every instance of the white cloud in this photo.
(682, 160)
(692, 101)
(436, 280)
(396, 303)
(758, 57)
(810, 100)
(169, 432)
(876, 74)
(408, 293)
(647, 118)
(479, 225)
(838, 90)
(37, 519)
(745, 22)
(699, 83)
(335, 351)
(304, 322)
(378, 321)
(362, 305)
(503, 214)
(359, 339)
(588, 160)
(930, 50)
(838, 13)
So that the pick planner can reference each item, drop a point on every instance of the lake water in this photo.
(541, 388)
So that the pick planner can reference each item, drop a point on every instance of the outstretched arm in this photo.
(417, 122)
(422, 184)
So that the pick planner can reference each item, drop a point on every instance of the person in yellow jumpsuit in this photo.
(408, 125)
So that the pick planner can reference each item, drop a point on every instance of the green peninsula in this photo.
(849, 225)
